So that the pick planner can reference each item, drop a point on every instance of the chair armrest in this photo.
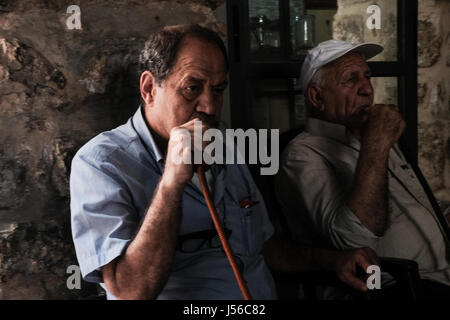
(396, 266)
(316, 277)
(404, 271)
(406, 274)
(309, 280)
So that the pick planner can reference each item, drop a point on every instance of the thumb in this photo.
(354, 282)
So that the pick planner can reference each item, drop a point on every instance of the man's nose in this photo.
(366, 88)
(207, 103)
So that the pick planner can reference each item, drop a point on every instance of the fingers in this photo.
(390, 106)
(185, 149)
(363, 257)
(363, 260)
(369, 256)
(189, 137)
(382, 108)
(366, 257)
(179, 148)
(354, 282)
(371, 109)
(394, 107)
(384, 126)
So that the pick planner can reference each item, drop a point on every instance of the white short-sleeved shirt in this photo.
(317, 170)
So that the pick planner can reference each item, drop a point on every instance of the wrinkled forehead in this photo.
(350, 61)
(201, 60)
(199, 55)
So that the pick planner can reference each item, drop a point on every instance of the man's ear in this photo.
(315, 97)
(147, 86)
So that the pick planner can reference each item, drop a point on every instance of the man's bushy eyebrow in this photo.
(194, 79)
(368, 72)
(222, 84)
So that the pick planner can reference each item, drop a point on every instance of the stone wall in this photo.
(434, 94)
(58, 89)
(433, 75)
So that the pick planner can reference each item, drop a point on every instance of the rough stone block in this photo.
(429, 42)
(349, 28)
(432, 152)
(448, 49)
(33, 262)
(421, 91)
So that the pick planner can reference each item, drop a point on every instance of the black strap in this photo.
(437, 209)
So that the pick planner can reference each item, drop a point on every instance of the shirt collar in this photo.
(331, 130)
(142, 129)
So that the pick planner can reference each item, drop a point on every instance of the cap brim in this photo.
(368, 49)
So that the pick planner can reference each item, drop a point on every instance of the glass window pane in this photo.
(264, 24)
(311, 22)
(270, 104)
(323, 24)
(302, 28)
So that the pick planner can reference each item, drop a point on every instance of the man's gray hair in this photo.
(161, 49)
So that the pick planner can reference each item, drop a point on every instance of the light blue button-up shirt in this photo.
(112, 182)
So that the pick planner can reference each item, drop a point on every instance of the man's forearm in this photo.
(282, 255)
(368, 198)
(143, 270)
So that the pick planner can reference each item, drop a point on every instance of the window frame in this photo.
(242, 69)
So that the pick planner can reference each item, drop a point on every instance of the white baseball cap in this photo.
(330, 50)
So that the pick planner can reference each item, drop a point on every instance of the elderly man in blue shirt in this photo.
(140, 223)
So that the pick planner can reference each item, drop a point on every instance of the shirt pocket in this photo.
(251, 230)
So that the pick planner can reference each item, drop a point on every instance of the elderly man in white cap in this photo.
(344, 182)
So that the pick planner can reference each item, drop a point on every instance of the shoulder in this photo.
(307, 147)
(107, 145)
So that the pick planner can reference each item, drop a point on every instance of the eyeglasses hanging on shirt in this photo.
(199, 240)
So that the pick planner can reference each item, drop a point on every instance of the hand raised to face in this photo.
(183, 141)
(383, 125)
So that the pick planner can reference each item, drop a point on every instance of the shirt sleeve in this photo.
(103, 219)
(310, 179)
